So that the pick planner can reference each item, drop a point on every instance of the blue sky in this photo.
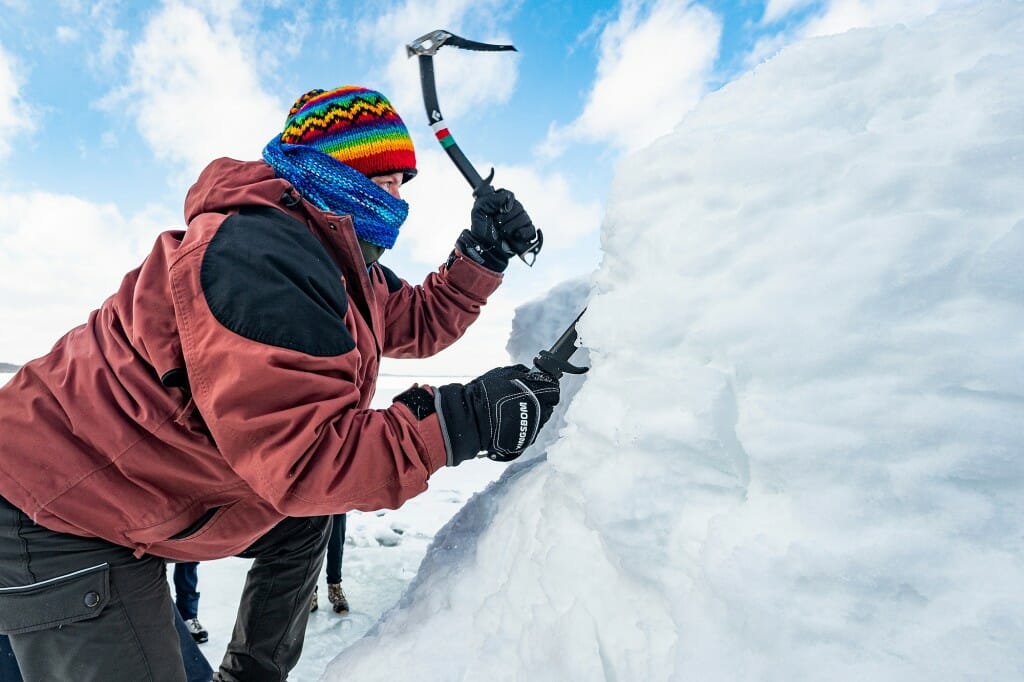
(108, 109)
(72, 63)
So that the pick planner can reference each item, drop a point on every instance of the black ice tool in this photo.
(555, 361)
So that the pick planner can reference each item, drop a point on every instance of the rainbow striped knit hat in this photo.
(356, 126)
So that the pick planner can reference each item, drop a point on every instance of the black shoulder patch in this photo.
(394, 284)
(267, 278)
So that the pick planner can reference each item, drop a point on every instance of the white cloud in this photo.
(60, 257)
(780, 9)
(111, 45)
(551, 202)
(15, 114)
(654, 63)
(194, 90)
(67, 34)
(464, 79)
(295, 30)
(94, 25)
(441, 200)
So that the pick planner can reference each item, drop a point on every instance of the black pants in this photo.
(336, 549)
(84, 609)
(197, 669)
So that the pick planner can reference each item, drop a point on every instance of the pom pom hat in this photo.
(354, 125)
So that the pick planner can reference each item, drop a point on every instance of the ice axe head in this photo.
(427, 44)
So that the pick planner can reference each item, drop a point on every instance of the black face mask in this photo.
(371, 252)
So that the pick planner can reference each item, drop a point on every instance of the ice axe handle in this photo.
(424, 48)
(437, 124)
(555, 361)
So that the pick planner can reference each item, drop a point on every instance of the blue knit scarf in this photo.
(332, 186)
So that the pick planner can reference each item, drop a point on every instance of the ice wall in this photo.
(799, 452)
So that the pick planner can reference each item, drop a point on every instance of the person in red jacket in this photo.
(218, 403)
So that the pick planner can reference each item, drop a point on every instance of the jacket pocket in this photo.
(194, 528)
(172, 530)
(46, 604)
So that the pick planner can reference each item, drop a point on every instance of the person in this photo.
(186, 598)
(217, 403)
(335, 555)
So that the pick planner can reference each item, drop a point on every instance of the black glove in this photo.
(500, 412)
(500, 228)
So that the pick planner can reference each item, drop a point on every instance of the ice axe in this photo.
(425, 47)
(555, 361)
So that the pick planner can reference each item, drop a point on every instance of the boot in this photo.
(313, 606)
(197, 631)
(336, 596)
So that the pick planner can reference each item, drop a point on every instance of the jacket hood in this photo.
(228, 183)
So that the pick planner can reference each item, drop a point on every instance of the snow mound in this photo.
(798, 453)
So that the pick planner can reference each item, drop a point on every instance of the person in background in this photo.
(186, 598)
(335, 554)
(218, 403)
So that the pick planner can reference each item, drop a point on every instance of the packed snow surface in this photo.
(798, 453)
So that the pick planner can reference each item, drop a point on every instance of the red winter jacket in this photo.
(227, 383)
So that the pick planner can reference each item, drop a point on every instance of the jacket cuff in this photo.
(430, 431)
(458, 425)
(469, 276)
(446, 407)
(428, 428)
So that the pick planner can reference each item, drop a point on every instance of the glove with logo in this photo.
(500, 228)
(500, 413)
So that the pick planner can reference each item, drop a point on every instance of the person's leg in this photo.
(335, 553)
(340, 521)
(271, 623)
(197, 668)
(82, 608)
(186, 589)
(9, 671)
(336, 549)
